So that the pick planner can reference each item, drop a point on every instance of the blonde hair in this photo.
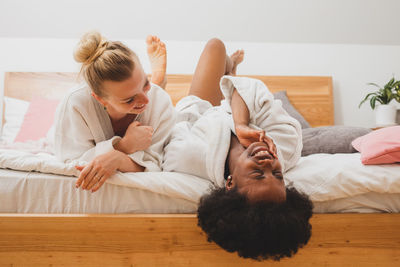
(103, 60)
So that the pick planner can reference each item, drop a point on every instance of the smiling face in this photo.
(128, 96)
(258, 175)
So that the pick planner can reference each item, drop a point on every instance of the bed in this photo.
(69, 227)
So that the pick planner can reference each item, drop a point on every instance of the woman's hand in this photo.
(136, 138)
(247, 136)
(101, 168)
(270, 143)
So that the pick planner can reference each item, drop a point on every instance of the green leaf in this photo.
(372, 102)
(390, 83)
(388, 96)
(380, 99)
(396, 85)
(365, 99)
(374, 84)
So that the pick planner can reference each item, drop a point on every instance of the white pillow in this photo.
(14, 112)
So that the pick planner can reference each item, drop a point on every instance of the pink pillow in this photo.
(38, 119)
(379, 147)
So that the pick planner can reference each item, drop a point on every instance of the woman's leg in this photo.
(212, 65)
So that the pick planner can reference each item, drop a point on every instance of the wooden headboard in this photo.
(310, 95)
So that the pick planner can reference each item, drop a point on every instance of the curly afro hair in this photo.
(259, 231)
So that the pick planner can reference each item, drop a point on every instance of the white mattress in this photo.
(33, 192)
(335, 183)
(365, 203)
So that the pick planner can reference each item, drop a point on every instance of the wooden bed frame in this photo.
(175, 239)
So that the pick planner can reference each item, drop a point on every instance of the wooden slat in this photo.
(25, 85)
(310, 95)
(175, 240)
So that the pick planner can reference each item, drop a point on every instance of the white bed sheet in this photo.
(326, 177)
(33, 192)
(370, 202)
(335, 183)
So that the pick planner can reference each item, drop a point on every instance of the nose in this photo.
(266, 163)
(143, 99)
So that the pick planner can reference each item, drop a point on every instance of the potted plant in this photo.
(385, 114)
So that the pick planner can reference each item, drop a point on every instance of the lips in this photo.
(261, 153)
(140, 107)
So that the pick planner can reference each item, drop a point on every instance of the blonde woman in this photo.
(118, 120)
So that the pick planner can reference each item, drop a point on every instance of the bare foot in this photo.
(236, 58)
(158, 60)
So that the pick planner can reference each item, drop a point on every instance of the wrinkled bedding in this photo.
(323, 177)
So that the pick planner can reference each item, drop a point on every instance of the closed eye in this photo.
(278, 175)
(130, 100)
(259, 174)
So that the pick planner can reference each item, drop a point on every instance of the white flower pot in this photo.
(385, 115)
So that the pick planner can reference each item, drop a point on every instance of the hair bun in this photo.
(90, 47)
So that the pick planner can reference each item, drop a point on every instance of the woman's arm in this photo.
(241, 118)
(93, 175)
(240, 112)
(128, 165)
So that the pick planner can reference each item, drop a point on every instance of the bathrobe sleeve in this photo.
(268, 114)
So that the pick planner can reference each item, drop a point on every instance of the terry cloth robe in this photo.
(83, 128)
(200, 140)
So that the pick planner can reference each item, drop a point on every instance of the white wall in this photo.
(351, 66)
(280, 21)
(354, 41)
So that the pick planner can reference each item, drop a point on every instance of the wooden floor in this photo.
(165, 240)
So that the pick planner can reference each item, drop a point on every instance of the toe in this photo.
(149, 39)
(236, 53)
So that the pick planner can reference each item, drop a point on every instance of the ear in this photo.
(230, 184)
(99, 99)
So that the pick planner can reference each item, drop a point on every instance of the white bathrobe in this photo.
(200, 140)
(83, 128)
